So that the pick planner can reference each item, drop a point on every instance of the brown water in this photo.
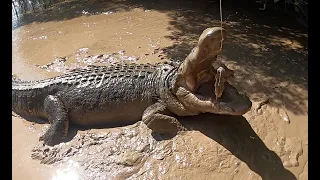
(270, 60)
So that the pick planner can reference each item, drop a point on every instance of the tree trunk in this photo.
(14, 9)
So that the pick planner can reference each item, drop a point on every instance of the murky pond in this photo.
(270, 61)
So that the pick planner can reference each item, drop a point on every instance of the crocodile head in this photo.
(197, 67)
(204, 99)
(201, 71)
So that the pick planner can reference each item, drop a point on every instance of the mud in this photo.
(270, 63)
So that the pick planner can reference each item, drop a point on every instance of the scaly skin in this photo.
(121, 94)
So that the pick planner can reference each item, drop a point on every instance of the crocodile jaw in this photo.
(231, 101)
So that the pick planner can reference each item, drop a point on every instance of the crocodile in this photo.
(129, 92)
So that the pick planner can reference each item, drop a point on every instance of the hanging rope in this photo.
(220, 70)
(221, 24)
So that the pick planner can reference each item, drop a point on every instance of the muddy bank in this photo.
(269, 142)
(132, 152)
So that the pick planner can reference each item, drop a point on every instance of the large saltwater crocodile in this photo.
(127, 93)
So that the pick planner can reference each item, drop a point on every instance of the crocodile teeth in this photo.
(203, 98)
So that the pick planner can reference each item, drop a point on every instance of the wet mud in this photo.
(270, 63)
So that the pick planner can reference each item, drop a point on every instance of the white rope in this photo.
(221, 24)
(220, 69)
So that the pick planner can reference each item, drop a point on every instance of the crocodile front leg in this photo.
(58, 118)
(157, 118)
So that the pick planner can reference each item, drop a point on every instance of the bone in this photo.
(222, 75)
(219, 82)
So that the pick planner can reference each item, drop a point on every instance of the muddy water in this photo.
(41, 43)
(269, 142)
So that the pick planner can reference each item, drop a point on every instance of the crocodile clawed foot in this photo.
(157, 118)
(52, 136)
(168, 126)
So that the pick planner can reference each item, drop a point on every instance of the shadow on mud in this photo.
(267, 48)
(232, 132)
(235, 134)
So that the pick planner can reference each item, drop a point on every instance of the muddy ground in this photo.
(268, 52)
